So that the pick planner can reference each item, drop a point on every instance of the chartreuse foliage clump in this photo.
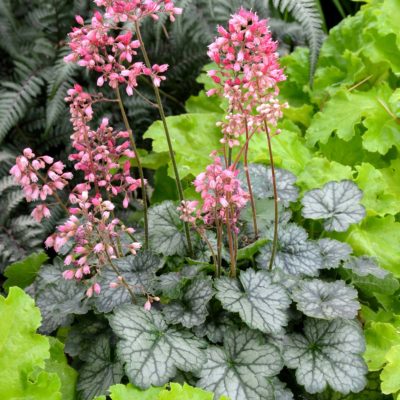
(32, 366)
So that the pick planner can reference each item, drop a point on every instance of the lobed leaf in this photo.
(326, 300)
(151, 350)
(337, 203)
(260, 303)
(333, 252)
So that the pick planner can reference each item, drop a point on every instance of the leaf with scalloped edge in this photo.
(329, 353)
(100, 369)
(364, 266)
(191, 309)
(333, 252)
(167, 234)
(139, 272)
(57, 298)
(390, 375)
(187, 392)
(23, 351)
(296, 255)
(152, 351)
(261, 183)
(260, 303)
(241, 367)
(326, 300)
(129, 392)
(338, 203)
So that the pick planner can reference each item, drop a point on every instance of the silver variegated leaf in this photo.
(152, 352)
(57, 298)
(296, 254)
(167, 235)
(337, 203)
(241, 367)
(171, 283)
(260, 303)
(364, 266)
(329, 353)
(138, 271)
(333, 252)
(191, 309)
(261, 183)
(326, 300)
(213, 330)
(279, 389)
(99, 371)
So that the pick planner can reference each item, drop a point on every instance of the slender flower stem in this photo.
(271, 159)
(204, 237)
(123, 281)
(140, 168)
(166, 130)
(246, 170)
(231, 245)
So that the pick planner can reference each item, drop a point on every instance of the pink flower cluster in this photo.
(247, 75)
(222, 195)
(100, 153)
(39, 178)
(94, 46)
(94, 231)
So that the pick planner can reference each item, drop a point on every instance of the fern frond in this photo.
(15, 98)
(307, 14)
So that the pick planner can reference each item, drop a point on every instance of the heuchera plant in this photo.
(226, 291)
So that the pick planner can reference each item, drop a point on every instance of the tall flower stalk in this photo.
(247, 75)
(97, 47)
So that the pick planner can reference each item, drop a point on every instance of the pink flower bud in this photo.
(147, 305)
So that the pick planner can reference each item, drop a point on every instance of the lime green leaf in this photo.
(204, 104)
(23, 351)
(193, 136)
(129, 392)
(186, 392)
(340, 115)
(381, 193)
(380, 238)
(22, 273)
(380, 337)
(247, 253)
(319, 171)
(58, 364)
(390, 375)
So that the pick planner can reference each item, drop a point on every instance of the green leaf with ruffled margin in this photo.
(152, 351)
(337, 203)
(364, 265)
(379, 238)
(167, 234)
(139, 272)
(129, 392)
(296, 255)
(191, 309)
(261, 183)
(333, 252)
(260, 303)
(380, 337)
(22, 273)
(194, 137)
(326, 300)
(329, 353)
(57, 298)
(390, 375)
(23, 352)
(241, 367)
(319, 171)
(58, 364)
(100, 369)
(248, 252)
(187, 392)
(380, 188)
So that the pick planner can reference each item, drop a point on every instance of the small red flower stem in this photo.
(271, 159)
(246, 170)
(140, 168)
(231, 244)
(167, 134)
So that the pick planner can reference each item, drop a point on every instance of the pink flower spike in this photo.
(68, 274)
